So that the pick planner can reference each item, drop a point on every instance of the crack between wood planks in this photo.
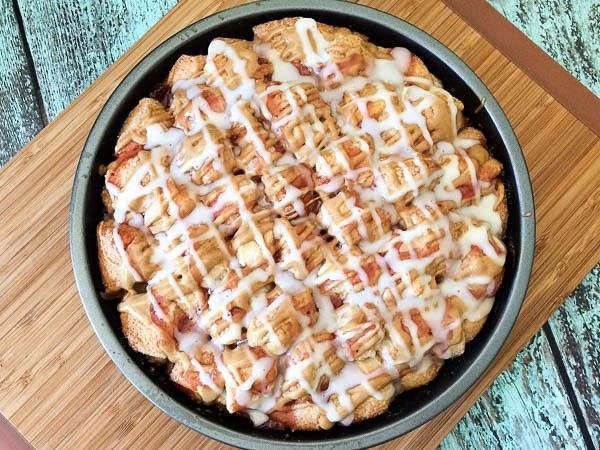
(37, 91)
(564, 376)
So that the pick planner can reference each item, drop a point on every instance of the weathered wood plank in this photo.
(575, 326)
(20, 119)
(566, 29)
(526, 407)
(73, 41)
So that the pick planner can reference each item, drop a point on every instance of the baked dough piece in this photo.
(310, 45)
(351, 220)
(125, 256)
(187, 67)
(290, 189)
(148, 112)
(345, 160)
(206, 156)
(303, 227)
(299, 117)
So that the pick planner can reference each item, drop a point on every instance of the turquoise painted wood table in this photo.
(548, 398)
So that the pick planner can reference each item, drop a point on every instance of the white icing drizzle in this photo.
(156, 136)
(283, 71)
(392, 274)
(245, 90)
(313, 43)
(484, 211)
(392, 70)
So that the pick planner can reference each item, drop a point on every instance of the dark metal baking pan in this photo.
(410, 409)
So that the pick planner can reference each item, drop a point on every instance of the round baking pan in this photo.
(410, 409)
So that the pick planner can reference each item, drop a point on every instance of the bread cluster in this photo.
(301, 227)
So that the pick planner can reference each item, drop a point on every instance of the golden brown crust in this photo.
(114, 276)
(186, 67)
(142, 337)
(147, 112)
(418, 69)
(305, 416)
(370, 408)
(302, 416)
(415, 379)
(472, 329)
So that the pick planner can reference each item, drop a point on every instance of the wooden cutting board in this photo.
(60, 389)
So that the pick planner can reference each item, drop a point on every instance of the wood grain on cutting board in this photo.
(45, 311)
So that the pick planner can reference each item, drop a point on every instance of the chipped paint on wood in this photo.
(568, 30)
(575, 327)
(20, 119)
(526, 407)
(73, 41)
